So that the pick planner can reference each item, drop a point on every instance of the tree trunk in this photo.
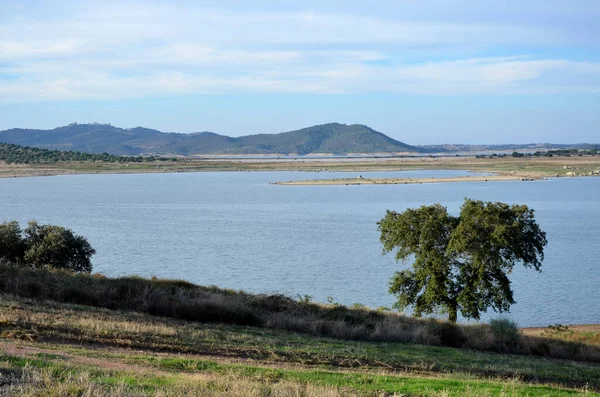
(452, 312)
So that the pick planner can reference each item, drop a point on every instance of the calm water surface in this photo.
(235, 230)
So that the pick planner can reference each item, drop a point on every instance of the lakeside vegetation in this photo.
(460, 264)
(51, 347)
(44, 246)
(185, 301)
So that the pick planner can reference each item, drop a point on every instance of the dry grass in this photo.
(185, 301)
(46, 333)
(48, 382)
(589, 334)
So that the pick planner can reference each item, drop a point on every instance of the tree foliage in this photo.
(44, 246)
(461, 264)
(17, 154)
(12, 245)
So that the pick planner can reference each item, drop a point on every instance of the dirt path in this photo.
(31, 352)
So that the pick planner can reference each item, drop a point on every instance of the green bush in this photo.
(44, 246)
(506, 333)
(12, 245)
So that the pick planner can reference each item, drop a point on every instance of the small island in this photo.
(360, 180)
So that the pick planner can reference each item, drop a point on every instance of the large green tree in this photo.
(460, 264)
(44, 246)
(57, 247)
(12, 246)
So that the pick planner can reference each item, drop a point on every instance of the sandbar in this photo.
(405, 181)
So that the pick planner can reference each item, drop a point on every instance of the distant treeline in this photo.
(568, 152)
(548, 153)
(30, 155)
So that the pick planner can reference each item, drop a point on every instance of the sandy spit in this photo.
(405, 181)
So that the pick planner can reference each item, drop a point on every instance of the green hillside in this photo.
(105, 138)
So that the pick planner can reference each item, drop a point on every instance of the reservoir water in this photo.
(236, 230)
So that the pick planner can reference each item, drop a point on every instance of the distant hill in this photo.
(105, 138)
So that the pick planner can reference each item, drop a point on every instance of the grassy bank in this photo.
(50, 348)
(185, 301)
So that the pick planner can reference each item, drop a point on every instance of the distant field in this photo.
(521, 167)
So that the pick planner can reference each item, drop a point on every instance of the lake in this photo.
(235, 230)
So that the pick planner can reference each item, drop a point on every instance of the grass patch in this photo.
(55, 378)
(389, 383)
(587, 334)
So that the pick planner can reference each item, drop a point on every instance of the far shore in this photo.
(503, 169)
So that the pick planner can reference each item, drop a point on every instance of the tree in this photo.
(461, 264)
(12, 246)
(56, 247)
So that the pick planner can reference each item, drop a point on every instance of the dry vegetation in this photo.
(67, 334)
(34, 382)
(186, 301)
(56, 349)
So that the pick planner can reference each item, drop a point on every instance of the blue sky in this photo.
(426, 71)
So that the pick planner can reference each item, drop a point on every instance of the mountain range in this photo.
(104, 138)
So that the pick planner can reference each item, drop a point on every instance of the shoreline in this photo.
(502, 168)
(574, 327)
(408, 181)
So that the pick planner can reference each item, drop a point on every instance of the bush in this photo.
(449, 334)
(12, 245)
(44, 246)
(506, 333)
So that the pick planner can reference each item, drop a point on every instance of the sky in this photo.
(420, 71)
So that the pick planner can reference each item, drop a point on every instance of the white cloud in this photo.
(13, 50)
(474, 76)
(116, 50)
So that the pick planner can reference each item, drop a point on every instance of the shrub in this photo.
(12, 245)
(42, 246)
(449, 334)
(57, 247)
(506, 333)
